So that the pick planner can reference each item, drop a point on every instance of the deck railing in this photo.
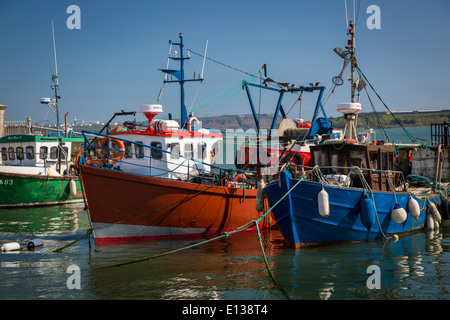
(153, 161)
(440, 134)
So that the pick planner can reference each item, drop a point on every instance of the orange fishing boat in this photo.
(160, 181)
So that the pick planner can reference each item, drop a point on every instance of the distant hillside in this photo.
(407, 119)
(365, 119)
(243, 121)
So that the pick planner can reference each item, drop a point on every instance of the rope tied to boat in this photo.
(86, 235)
(222, 236)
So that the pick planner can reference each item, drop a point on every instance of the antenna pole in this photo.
(204, 58)
(183, 106)
(351, 30)
(54, 52)
(179, 75)
(55, 88)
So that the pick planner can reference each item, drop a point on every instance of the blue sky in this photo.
(112, 62)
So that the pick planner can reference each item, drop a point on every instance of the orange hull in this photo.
(125, 206)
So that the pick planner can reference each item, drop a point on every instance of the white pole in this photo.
(204, 57)
(54, 51)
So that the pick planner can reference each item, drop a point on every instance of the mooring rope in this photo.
(224, 235)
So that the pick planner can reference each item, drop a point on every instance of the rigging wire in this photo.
(410, 136)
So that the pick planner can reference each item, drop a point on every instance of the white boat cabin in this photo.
(35, 154)
(164, 150)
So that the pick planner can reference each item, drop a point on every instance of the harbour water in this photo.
(415, 267)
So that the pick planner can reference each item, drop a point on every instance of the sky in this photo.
(111, 63)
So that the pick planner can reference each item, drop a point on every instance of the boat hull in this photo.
(297, 215)
(125, 206)
(23, 190)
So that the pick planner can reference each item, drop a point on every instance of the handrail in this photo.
(206, 171)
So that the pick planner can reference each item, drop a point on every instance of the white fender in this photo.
(430, 221)
(73, 188)
(34, 243)
(436, 225)
(259, 205)
(413, 207)
(324, 205)
(398, 214)
(10, 246)
(434, 211)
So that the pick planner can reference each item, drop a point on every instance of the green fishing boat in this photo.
(38, 170)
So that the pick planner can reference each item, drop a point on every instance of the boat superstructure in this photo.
(160, 180)
(352, 190)
(31, 175)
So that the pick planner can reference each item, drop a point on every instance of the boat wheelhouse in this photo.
(188, 151)
(37, 170)
(37, 153)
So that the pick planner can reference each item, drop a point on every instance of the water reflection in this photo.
(40, 219)
(414, 267)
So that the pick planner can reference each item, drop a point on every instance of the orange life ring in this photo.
(241, 177)
(95, 162)
(105, 158)
(78, 159)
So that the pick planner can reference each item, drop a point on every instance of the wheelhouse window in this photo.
(139, 150)
(189, 150)
(384, 161)
(4, 154)
(391, 161)
(65, 153)
(11, 153)
(174, 148)
(321, 158)
(43, 152)
(357, 159)
(19, 153)
(201, 150)
(374, 160)
(54, 153)
(128, 150)
(29, 151)
(156, 153)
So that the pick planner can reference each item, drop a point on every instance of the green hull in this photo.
(17, 190)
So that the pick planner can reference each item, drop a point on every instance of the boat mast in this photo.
(55, 81)
(179, 74)
(55, 88)
(351, 48)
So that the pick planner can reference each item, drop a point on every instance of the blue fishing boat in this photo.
(352, 191)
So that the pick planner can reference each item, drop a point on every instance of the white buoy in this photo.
(34, 243)
(430, 221)
(10, 246)
(73, 188)
(434, 211)
(259, 205)
(395, 237)
(398, 214)
(413, 207)
(324, 205)
(436, 225)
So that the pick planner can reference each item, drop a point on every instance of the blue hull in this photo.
(297, 215)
